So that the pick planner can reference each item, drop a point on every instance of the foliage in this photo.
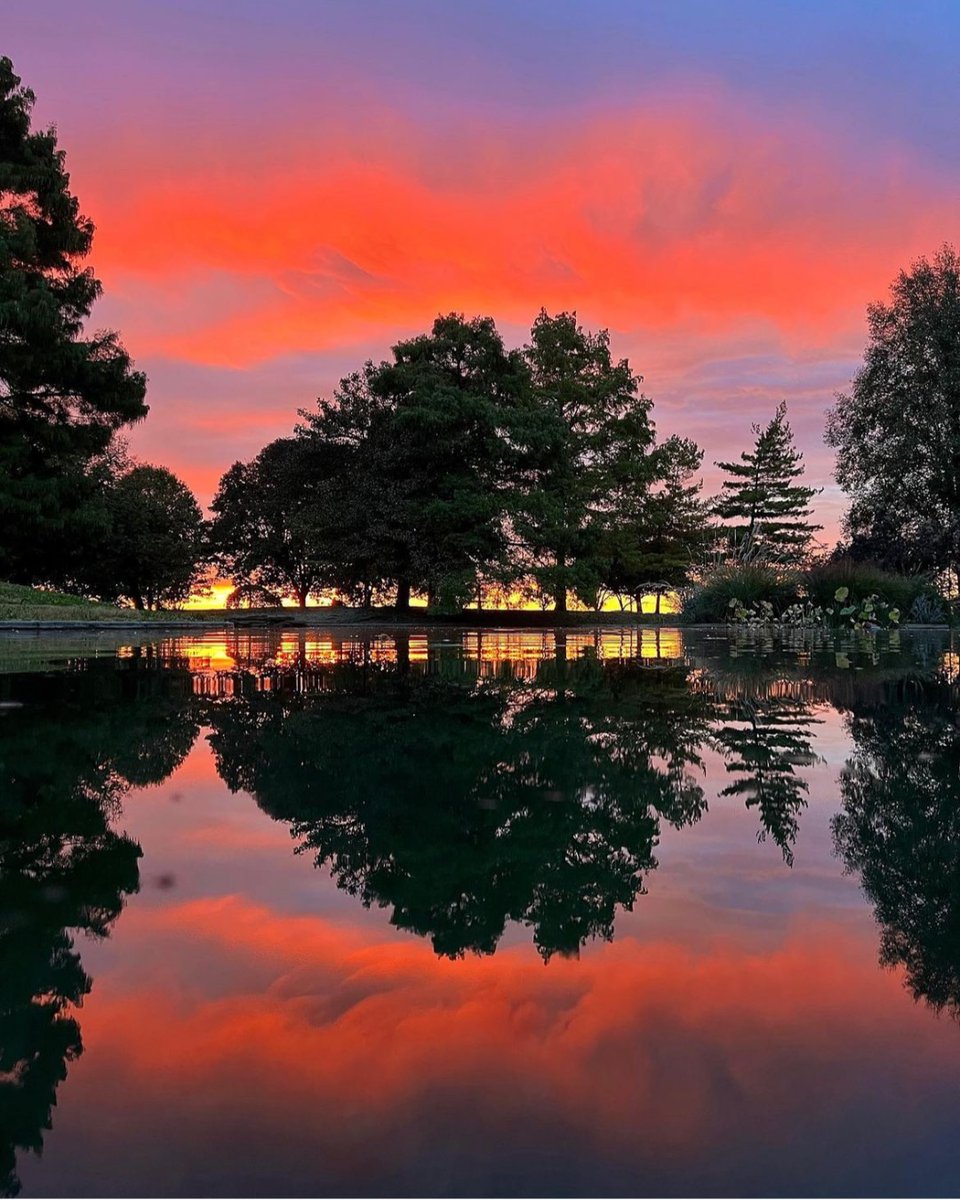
(425, 439)
(927, 609)
(748, 584)
(900, 831)
(768, 508)
(63, 394)
(587, 461)
(897, 432)
(863, 579)
(661, 539)
(150, 552)
(270, 517)
(871, 614)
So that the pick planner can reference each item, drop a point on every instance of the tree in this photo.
(658, 542)
(274, 519)
(897, 432)
(586, 439)
(71, 747)
(899, 830)
(151, 548)
(762, 497)
(428, 435)
(63, 395)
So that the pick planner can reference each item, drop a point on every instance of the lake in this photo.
(618, 912)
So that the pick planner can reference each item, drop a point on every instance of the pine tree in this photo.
(766, 506)
(63, 395)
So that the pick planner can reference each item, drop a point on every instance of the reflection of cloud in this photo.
(640, 1051)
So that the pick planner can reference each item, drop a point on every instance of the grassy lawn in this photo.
(19, 603)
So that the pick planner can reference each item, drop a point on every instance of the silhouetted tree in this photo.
(897, 432)
(900, 831)
(587, 438)
(659, 539)
(277, 520)
(150, 551)
(766, 505)
(63, 395)
(427, 432)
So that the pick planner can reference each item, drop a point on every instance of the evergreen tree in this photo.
(428, 437)
(62, 394)
(767, 507)
(586, 449)
(897, 433)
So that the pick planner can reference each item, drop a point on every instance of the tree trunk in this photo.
(657, 609)
(138, 602)
(560, 595)
(403, 595)
(302, 594)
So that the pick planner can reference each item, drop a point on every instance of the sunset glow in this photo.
(726, 192)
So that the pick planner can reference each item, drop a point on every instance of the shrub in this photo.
(861, 580)
(927, 610)
(750, 583)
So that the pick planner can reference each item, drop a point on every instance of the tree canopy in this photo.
(150, 549)
(897, 431)
(63, 393)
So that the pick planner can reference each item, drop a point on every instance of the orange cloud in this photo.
(687, 214)
(377, 1025)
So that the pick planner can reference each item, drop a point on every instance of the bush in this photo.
(862, 580)
(751, 584)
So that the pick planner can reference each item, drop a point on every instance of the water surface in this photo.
(620, 913)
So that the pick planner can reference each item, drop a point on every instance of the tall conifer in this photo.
(766, 508)
(63, 394)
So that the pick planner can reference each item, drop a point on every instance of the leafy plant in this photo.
(747, 584)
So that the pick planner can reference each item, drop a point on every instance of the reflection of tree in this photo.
(765, 739)
(900, 830)
(463, 806)
(66, 759)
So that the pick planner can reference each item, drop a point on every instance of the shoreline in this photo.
(380, 620)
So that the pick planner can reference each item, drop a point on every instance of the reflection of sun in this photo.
(215, 594)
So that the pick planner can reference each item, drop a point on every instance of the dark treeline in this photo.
(454, 466)
(459, 464)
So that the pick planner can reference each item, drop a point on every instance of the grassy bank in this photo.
(18, 603)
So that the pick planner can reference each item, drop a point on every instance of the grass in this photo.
(19, 603)
(710, 600)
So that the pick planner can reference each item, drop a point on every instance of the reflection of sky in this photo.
(284, 189)
(254, 1030)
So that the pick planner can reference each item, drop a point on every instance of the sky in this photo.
(282, 190)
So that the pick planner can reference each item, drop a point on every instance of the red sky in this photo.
(280, 195)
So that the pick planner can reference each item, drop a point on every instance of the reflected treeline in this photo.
(462, 808)
(899, 829)
(463, 786)
(71, 745)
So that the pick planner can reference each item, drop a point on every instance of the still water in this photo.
(617, 913)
